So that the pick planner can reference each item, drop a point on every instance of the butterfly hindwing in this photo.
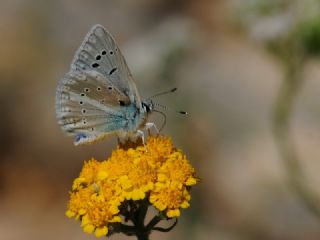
(89, 106)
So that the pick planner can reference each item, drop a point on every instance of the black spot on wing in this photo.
(95, 65)
(112, 71)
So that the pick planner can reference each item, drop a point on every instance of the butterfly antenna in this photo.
(170, 109)
(162, 93)
(164, 115)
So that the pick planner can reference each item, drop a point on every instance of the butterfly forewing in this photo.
(99, 52)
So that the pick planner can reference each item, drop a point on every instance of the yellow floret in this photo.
(157, 172)
(100, 232)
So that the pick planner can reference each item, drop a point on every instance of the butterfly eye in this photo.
(98, 57)
(110, 88)
(82, 94)
(83, 111)
(111, 52)
(98, 88)
(80, 102)
(103, 52)
(86, 89)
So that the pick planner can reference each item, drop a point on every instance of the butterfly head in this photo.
(147, 106)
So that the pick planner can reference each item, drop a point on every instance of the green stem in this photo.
(161, 229)
(282, 115)
(143, 236)
(136, 213)
(142, 232)
(154, 221)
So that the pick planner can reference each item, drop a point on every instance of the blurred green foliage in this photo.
(308, 32)
(296, 30)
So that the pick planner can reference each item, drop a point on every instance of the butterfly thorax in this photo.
(133, 117)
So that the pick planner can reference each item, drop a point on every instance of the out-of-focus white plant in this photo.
(277, 22)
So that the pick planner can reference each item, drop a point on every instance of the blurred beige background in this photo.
(228, 80)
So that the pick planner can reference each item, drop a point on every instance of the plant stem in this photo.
(142, 232)
(282, 115)
(137, 213)
(143, 236)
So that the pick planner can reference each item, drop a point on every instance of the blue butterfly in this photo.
(98, 96)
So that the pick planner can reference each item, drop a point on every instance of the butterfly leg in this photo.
(141, 134)
(150, 125)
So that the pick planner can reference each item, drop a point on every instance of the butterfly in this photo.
(98, 96)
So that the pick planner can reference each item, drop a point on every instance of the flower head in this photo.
(106, 194)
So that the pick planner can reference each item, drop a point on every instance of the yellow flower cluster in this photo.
(157, 171)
